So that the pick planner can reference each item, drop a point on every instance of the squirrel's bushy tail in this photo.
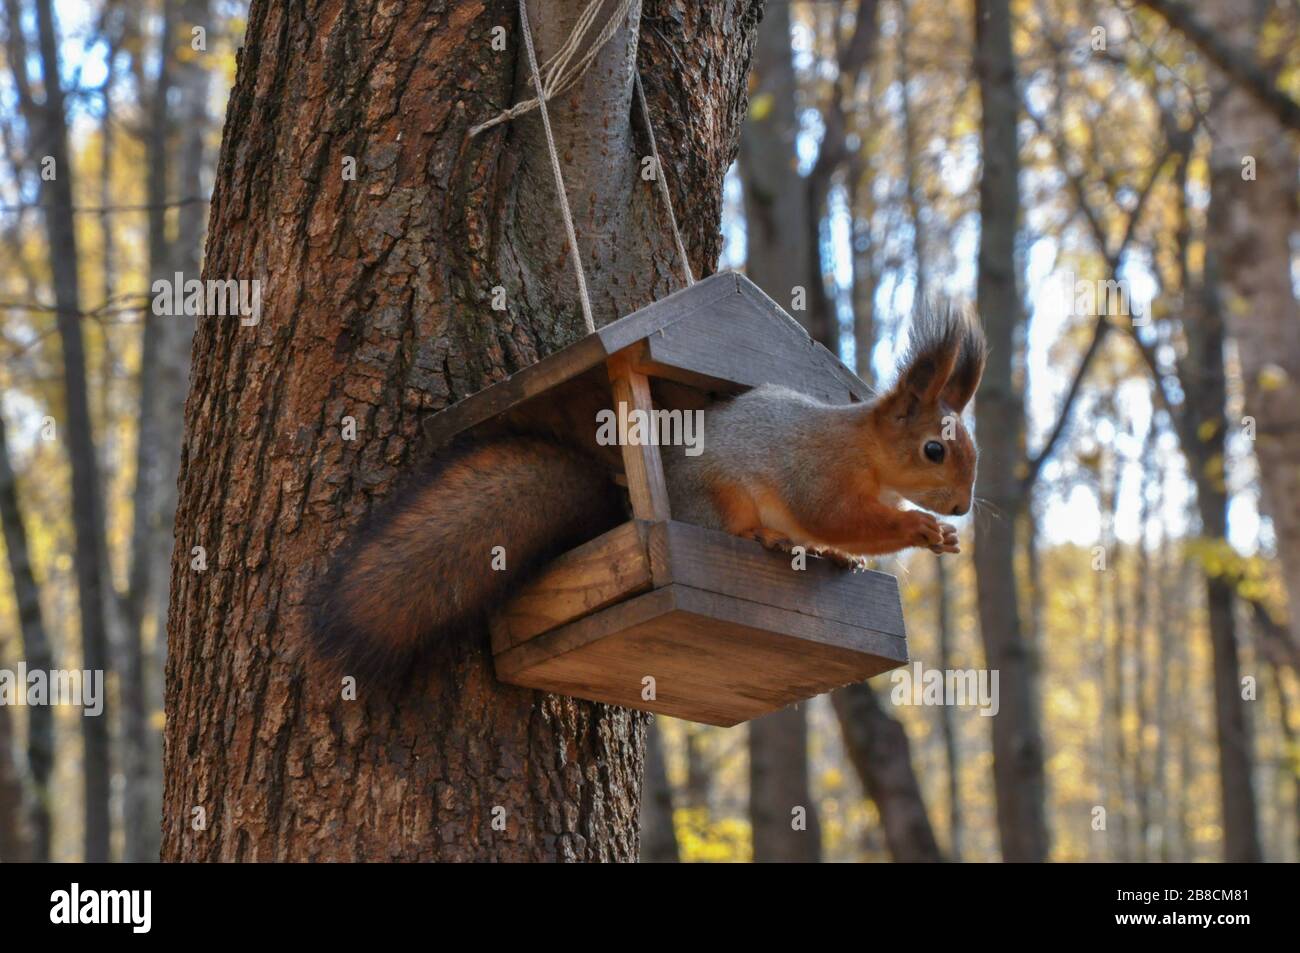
(424, 563)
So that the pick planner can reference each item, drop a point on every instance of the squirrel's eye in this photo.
(933, 451)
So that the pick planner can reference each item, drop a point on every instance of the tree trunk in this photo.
(1204, 435)
(658, 839)
(913, 198)
(778, 256)
(49, 123)
(1017, 746)
(1259, 218)
(699, 770)
(139, 810)
(878, 747)
(778, 259)
(377, 306)
(172, 364)
(782, 813)
(865, 279)
(35, 652)
(14, 845)
(1110, 601)
(951, 743)
(877, 744)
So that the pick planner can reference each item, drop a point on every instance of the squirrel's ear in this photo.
(934, 346)
(968, 369)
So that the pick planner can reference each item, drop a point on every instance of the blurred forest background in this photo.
(1139, 530)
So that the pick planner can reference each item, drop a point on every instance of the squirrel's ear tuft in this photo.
(934, 347)
(969, 367)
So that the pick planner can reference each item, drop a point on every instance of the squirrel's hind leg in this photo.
(739, 515)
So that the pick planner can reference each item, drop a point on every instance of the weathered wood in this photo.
(717, 562)
(532, 381)
(742, 341)
(579, 357)
(597, 574)
(713, 658)
(642, 464)
(721, 334)
(824, 360)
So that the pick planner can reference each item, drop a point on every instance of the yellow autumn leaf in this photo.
(760, 106)
(1272, 377)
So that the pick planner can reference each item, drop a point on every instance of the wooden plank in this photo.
(825, 360)
(738, 341)
(641, 461)
(714, 659)
(597, 574)
(577, 358)
(500, 397)
(613, 672)
(840, 647)
(721, 334)
(665, 312)
(719, 562)
(568, 638)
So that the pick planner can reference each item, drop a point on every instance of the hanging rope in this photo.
(565, 67)
(663, 182)
(562, 70)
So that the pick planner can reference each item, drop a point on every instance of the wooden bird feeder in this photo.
(662, 615)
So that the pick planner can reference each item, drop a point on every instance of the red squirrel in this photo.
(776, 466)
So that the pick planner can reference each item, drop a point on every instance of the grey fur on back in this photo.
(767, 433)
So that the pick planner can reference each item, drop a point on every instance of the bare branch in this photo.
(1238, 65)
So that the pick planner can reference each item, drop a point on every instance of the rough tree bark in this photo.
(377, 306)
(1017, 745)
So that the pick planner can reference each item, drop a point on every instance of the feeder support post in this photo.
(645, 470)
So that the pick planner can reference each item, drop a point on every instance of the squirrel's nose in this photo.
(960, 509)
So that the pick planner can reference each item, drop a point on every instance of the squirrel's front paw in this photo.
(922, 529)
(949, 543)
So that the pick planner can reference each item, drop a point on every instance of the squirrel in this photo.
(777, 466)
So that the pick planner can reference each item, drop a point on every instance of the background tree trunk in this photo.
(947, 726)
(1259, 218)
(1205, 435)
(658, 838)
(49, 124)
(878, 747)
(779, 787)
(376, 305)
(14, 842)
(778, 260)
(35, 652)
(1017, 745)
(140, 820)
